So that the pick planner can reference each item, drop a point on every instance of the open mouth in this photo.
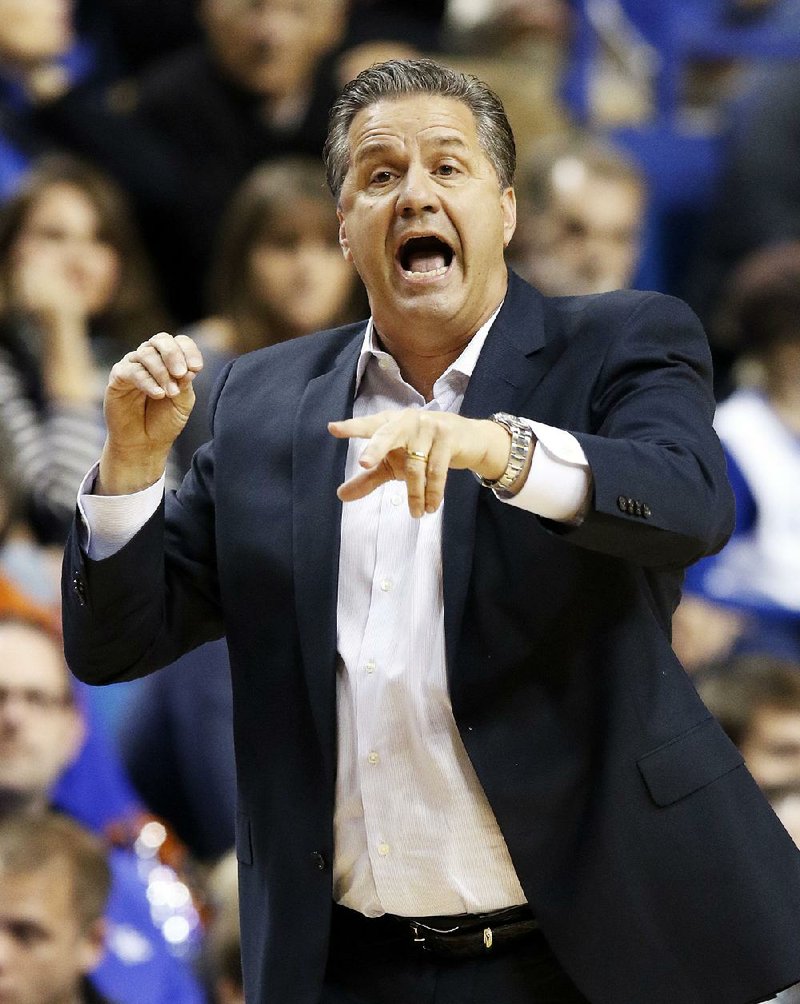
(427, 257)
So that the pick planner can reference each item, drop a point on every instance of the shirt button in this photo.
(383, 850)
(396, 500)
(384, 364)
(370, 666)
(373, 757)
(386, 585)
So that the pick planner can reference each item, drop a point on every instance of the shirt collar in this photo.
(464, 364)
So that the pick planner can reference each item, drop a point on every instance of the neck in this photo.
(422, 371)
(424, 348)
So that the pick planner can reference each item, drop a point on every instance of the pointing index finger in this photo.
(357, 428)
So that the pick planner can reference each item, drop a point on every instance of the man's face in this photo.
(40, 729)
(44, 952)
(772, 748)
(587, 240)
(272, 47)
(422, 216)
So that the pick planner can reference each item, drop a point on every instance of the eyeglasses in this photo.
(35, 700)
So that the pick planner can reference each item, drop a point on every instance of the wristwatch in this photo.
(521, 445)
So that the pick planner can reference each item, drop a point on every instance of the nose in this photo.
(270, 26)
(417, 193)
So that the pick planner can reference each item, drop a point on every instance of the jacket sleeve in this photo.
(157, 597)
(661, 495)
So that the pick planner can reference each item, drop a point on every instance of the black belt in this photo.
(460, 937)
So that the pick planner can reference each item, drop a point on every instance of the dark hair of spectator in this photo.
(398, 78)
(600, 159)
(135, 311)
(761, 303)
(735, 691)
(31, 841)
(282, 186)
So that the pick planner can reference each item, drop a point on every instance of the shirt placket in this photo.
(376, 731)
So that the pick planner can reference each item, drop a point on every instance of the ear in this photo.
(508, 206)
(344, 243)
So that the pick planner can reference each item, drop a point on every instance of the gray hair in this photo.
(398, 78)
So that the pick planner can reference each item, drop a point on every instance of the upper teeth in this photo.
(434, 271)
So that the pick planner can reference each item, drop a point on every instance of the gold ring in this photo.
(417, 455)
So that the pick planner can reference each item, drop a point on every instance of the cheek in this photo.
(270, 273)
(103, 268)
(29, 253)
(333, 278)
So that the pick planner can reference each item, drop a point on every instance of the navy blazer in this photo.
(657, 870)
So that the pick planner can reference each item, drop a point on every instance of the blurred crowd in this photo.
(160, 169)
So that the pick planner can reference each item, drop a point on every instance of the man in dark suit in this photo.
(470, 767)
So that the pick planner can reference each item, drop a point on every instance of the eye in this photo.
(446, 170)
(27, 934)
(382, 177)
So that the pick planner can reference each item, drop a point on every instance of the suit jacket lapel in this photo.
(318, 468)
(510, 366)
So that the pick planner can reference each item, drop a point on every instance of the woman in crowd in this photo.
(75, 292)
(279, 273)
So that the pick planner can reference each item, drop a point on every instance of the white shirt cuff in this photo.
(559, 480)
(110, 521)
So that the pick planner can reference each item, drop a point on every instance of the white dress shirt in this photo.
(414, 834)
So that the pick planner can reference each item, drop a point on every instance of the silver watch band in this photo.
(521, 444)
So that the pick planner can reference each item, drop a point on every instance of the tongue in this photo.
(425, 261)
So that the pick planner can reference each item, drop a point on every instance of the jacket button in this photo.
(646, 511)
(622, 504)
(637, 508)
(319, 861)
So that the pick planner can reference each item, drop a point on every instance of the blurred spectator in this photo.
(48, 49)
(41, 732)
(75, 292)
(54, 884)
(36, 37)
(279, 273)
(756, 699)
(755, 579)
(259, 87)
(580, 213)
